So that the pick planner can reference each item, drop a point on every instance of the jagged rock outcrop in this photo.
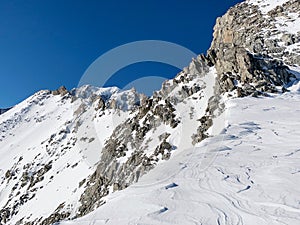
(127, 143)
(247, 50)
(246, 26)
(60, 91)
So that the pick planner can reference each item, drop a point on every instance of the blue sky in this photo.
(49, 43)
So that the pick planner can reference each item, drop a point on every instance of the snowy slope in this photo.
(252, 179)
(49, 143)
(67, 154)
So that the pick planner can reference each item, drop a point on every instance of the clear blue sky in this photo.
(49, 43)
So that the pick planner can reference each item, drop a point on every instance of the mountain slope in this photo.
(85, 146)
(253, 178)
(48, 144)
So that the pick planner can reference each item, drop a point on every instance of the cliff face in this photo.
(253, 44)
(255, 51)
(258, 29)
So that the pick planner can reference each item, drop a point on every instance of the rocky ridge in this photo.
(117, 168)
(251, 50)
(251, 54)
(247, 63)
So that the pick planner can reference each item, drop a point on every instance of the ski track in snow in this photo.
(254, 179)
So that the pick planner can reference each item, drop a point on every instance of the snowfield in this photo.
(45, 153)
(248, 174)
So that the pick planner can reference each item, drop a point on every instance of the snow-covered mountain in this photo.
(218, 144)
(248, 174)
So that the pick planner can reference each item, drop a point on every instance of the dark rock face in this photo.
(56, 216)
(244, 26)
(244, 53)
(101, 104)
(60, 91)
(4, 110)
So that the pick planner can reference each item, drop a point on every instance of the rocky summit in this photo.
(189, 154)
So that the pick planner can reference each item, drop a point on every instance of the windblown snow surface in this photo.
(248, 174)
